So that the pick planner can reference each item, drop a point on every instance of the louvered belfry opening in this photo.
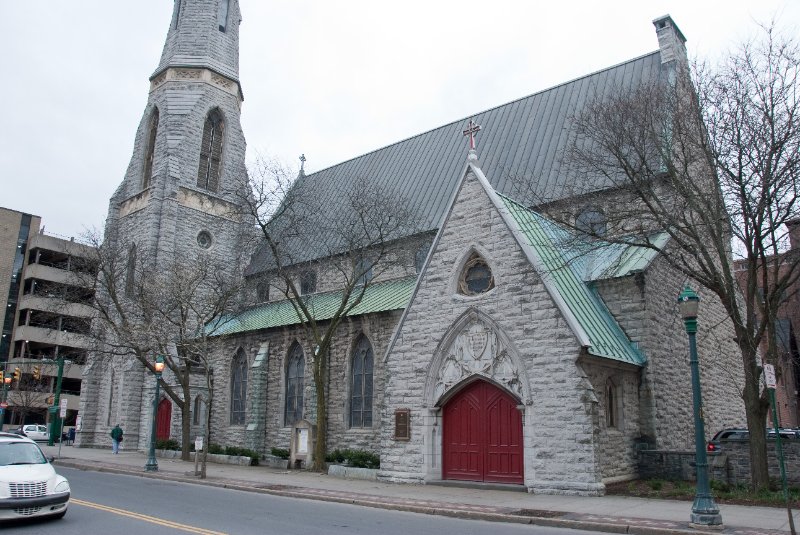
(210, 152)
(150, 151)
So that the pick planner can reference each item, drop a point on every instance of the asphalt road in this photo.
(109, 503)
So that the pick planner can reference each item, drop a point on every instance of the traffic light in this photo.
(37, 372)
(17, 373)
(1, 376)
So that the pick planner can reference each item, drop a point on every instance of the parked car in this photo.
(29, 485)
(36, 432)
(715, 444)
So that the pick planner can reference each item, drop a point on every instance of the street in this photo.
(111, 503)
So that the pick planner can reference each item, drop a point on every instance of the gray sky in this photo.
(331, 79)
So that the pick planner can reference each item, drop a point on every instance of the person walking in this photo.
(116, 438)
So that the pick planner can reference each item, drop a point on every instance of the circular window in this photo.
(476, 277)
(204, 239)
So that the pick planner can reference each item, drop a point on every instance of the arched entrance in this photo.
(163, 419)
(482, 436)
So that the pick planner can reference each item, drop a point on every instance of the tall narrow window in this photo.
(199, 413)
(130, 272)
(361, 384)
(295, 370)
(211, 152)
(308, 282)
(150, 150)
(363, 271)
(222, 14)
(238, 387)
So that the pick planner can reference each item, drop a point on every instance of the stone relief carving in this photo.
(477, 351)
(220, 81)
(187, 74)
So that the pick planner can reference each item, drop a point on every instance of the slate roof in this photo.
(524, 138)
(606, 338)
(378, 297)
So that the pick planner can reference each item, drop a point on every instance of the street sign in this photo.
(63, 413)
(769, 375)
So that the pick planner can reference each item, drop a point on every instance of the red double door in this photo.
(482, 436)
(163, 419)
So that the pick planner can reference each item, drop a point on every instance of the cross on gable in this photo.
(302, 161)
(472, 129)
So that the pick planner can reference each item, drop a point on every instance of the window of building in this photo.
(199, 412)
(361, 384)
(262, 291)
(222, 14)
(592, 221)
(208, 171)
(204, 239)
(295, 372)
(613, 405)
(238, 387)
(476, 277)
(420, 256)
(130, 272)
(363, 271)
(308, 282)
(150, 150)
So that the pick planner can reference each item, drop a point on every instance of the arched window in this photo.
(363, 270)
(592, 221)
(262, 291)
(211, 152)
(476, 277)
(199, 412)
(295, 371)
(361, 384)
(150, 149)
(238, 387)
(130, 272)
(222, 14)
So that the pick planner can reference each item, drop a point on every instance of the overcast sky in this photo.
(331, 79)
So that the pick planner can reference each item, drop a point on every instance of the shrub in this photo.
(281, 453)
(655, 484)
(355, 458)
(216, 449)
(167, 444)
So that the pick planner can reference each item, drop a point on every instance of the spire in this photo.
(203, 34)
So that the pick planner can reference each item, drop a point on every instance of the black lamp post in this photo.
(152, 464)
(705, 512)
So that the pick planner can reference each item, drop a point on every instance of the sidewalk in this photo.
(613, 514)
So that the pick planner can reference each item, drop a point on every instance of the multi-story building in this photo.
(47, 316)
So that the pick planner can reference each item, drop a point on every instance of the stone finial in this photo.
(671, 41)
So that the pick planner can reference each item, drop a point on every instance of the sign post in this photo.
(771, 383)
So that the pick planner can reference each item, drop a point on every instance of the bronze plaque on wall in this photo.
(402, 424)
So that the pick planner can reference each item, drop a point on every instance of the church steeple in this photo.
(205, 34)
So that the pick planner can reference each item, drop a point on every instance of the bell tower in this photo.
(181, 196)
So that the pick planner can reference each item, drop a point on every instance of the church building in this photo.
(491, 349)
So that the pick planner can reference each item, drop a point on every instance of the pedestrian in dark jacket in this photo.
(116, 438)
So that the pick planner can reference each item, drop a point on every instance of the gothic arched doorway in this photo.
(482, 436)
(163, 419)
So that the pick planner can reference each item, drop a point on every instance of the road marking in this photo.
(146, 518)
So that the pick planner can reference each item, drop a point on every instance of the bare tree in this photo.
(709, 156)
(144, 310)
(349, 233)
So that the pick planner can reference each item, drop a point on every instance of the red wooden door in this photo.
(163, 419)
(482, 436)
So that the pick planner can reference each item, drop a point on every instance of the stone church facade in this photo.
(489, 355)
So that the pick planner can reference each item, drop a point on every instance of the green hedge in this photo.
(355, 458)
(171, 444)
(280, 453)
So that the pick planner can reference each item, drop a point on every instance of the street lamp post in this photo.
(152, 464)
(705, 512)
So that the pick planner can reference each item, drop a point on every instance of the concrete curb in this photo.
(568, 520)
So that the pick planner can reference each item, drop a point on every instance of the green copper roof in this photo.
(378, 297)
(606, 338)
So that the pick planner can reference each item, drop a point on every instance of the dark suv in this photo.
(741, 434)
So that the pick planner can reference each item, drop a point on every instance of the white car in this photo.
(36, 432)
(29, 485)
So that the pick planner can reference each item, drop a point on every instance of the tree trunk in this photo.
(756, 424)
(186, 420)
(321, 445)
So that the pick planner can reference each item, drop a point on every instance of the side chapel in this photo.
(495, 353)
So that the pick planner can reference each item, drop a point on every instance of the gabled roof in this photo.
(522, 140)
(378, 297)
(583, 307)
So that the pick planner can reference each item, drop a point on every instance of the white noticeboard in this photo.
(198, 444)
(63, 413)
(769, 375)
(302, 441)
